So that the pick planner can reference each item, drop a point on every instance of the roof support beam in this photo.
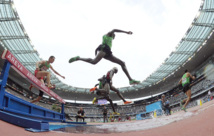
(182, 52)
(207, 10)
(155, 77)
(203, 24)
(2, 38)
(28, 63)
(8, 19)
(193, 39)
(6, 2)
(173, 63)
(150, 82)
(164, 71)
(23, 51)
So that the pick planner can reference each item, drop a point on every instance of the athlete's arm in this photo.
(96, 85)
(180, 81)
(56, 72)
(118, 31)
(192, 77)
(38, 64)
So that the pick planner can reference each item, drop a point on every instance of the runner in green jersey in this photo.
(105, 52)
(41, 70)
(103, 91)
(185, 81)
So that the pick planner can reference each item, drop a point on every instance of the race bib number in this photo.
(184, 80)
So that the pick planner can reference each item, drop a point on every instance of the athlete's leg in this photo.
(105, 90)
(111, 103)
(36, 100)
(102, 92)
(99, 56)
(106, 117)
(185, 89)
(114, 59)
(184, 101)
(118, 92)
(43, 74)
(188, 93)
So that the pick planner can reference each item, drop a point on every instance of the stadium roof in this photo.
(14, 38)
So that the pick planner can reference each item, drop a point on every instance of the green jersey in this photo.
(185, 79)
(100, 85)
(46, 65)
(107, 40)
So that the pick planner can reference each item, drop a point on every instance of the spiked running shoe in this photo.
(94, 100)
(127, 102)
(93, 89)
(184, 109)
(132, 82)
(116, 113)
(73, 59)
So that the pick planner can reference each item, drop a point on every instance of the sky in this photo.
(67, 28)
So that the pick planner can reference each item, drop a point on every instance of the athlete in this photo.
(105, 52)
(103, 92)
(109, 77)
(41, 70)
(185, 81)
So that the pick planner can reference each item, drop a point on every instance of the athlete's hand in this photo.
(193, 77)
(129, 32)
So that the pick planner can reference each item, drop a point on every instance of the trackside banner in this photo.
(17, 66)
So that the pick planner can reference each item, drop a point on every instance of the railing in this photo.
(19, 109)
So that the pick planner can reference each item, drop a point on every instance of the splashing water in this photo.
(147, 124)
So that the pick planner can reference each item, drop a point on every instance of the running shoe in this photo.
(184, 109)
(73, 59)
(94, 100)
(116, 113)
(127, 102)
(50, 86)
(93, 89)
(132, 82)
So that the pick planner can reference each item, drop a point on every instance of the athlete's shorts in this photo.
(35, 72)
(105, 48)
(186, 87)
(41, 93)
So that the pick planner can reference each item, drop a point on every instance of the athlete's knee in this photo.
(188, 98)
(115, 90)
(118, 92)
(94, 62)
(48, 73)
(122, 63)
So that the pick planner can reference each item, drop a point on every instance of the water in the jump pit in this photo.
(118, 127)
(81, 129)
(146, 124)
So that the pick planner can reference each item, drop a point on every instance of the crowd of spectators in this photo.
(95, 111)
